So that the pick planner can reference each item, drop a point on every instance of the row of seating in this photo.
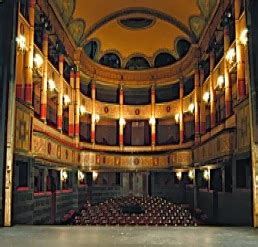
(155, 212)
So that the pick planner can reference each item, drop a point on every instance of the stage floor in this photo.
(54, 236)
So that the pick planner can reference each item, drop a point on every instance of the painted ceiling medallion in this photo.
(136, 23)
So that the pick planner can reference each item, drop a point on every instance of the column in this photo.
(77, 107)
(181, 120)
(43, 98)
(29, 55)
(121, 125)
(202, 105)
(60, 93)
(240, 55)
(93, 116)
(153, 123)
(71, 106)
(228, 90)
(197, 104)
(212, 91)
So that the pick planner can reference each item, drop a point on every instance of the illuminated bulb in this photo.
(243, 37)
(82, 110)
(206, 97)
(21, 41)
(231, 54)
(122, 122)
(67, 100)
(81, 176)
(191, 108)
(206, 175)
(152, 121)
(64, 175)
(94, 175)
(51, 85)
(38, 60)
(177, 117)
(179, 175)
(191, 174)
(96, 118)
(220, 81)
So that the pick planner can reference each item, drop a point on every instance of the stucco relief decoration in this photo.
(106, 110)
(58, 152)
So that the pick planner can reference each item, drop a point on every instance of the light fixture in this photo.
(51, 85)
(206, 97)
(82, 110)
(220, 82)
(191, 174)
(243, 37)
(152, 121)
(191, 108)
(122, 122)
(206, 174)
(231, 55)
(64, 175)
(179, 175)
(21, 41)
(177, 117)
(81, 176)
(94, 175)
(38, 60)
(67, 100)
(96, 118)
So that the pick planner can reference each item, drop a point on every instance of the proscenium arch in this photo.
(146, 11)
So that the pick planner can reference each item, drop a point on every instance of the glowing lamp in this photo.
(191, 108)
(82, 110)
(177, 117)
(243, 37)
(21, 41)
(122, 122)
(231, 55)
(152, 121)
(206, 97)
(94, 175)
(67, 100)
(191, 174)
(220, 82)
(96, 118)
(64, 175)
(179, 175)
(206, 175)
(81, 176)
(38, 60)
(51, 85)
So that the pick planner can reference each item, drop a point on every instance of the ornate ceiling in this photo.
(135, 28)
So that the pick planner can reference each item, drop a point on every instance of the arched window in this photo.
(183, 47)
(164, 59)
(111, 60)
(137, 63)
(91, 49)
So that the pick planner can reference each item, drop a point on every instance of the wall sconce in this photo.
(21, 41)
(95, 118)
(152, 121)
(191, 108)
(220, 82)
(177, 117)
(82, 110)
(179, 175)
(51, 85)
(122, 122)
(243, 37)
(81, 176)
(38, 61)
(191, 174)
(94, 175)
(231, 55)
(206, 97)
(64, 175)
(206, 174)
(66, 99)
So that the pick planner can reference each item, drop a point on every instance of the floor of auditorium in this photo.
(67, 236)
